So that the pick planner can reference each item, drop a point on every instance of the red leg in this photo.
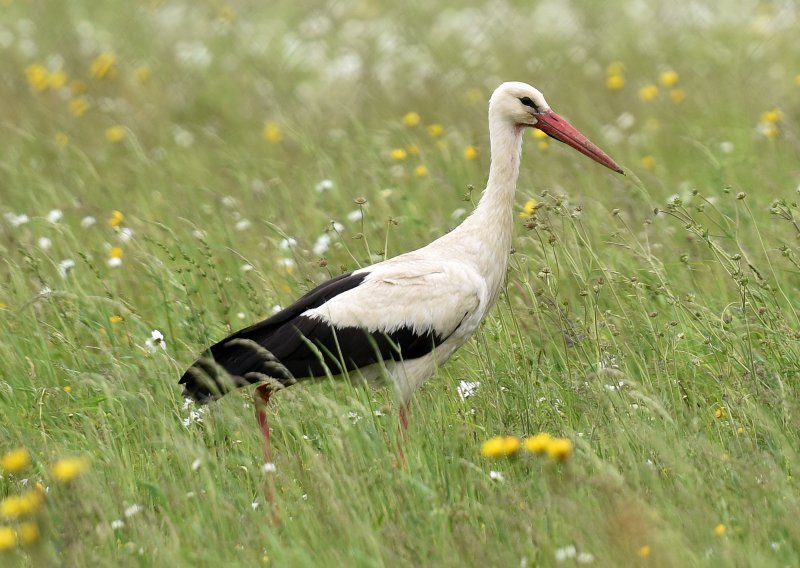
(261, 399)
(401, 434)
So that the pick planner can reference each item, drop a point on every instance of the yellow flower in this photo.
(78, 87)
(78, 107)
(69, 468)
(57, 80)
(470, 152)
(62, 139)
(37, 77)
(500, 446)
(668, 78)
(644, 551)
(116, 218)
(104, 66)
(559, 449)
(16, 506)
(420, 171)
(28, 532)
(538, 444)
(15, 461)
(648, 162)
(115, 133)
(543, 145)
(115, 252)
(648, 92)
(770, 130)
(771, 116)
(536, 133)
(719, 530)
(115, 319)
(67, 389)
(615, 68)
(8, 539)
(677, 96)
(435, 129)
(411, 119)
(412, 149)
(272, 132)
(528, 210)
(142, 73)
(719, 413)
(615, 82)
(398, 154)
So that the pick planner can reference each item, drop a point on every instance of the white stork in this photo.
(401, 318)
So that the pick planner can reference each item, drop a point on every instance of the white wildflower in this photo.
(276, 308)
(246, 267)
(466, 389)
(355, 215)
(287, 264)
(324, 185)
(87, 222)
(585, 558)
(118, 524)
(496, 476)
(156, 340)
(242, 224)
(65, 266)
(134, 509)
(193, 54)
(354, 416)
(322, 243)
(337, 226)
(46, 292)
(114, 261)
(182, 137)
(566, 552)
(287, 243)
(254, 505)
(268, 467)
(726, 147)
(241, 315)
(625, 120)
(55, 215)
(44, 243)
(196, 464)
(125, 234)
(16, 220)
(458, 213)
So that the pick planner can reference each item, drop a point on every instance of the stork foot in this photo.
(261, 399)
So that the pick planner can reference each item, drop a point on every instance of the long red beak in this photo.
(556, 127)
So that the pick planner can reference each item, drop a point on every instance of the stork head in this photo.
(523, 105)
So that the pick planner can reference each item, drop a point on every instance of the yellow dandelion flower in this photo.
(142, 73)
(78, 107)
(115, 252)
(104, 66)
(500, 446)
(740, 430)
(420, 171)
(56, 80)
(15, 461)
(398, 154)
(16, 506)
(644, 551)
(115, 134)
(272, 132)
(543, 145)
(62, 139)
(28, 533)
(67, 469)
(770, 130)
(8, 539)
(435, 130)
(559, 449)
(528, 210)
(652, 124)
(676, 96)
(116, 218)
(470, 152)
(719, 530)
(37, 77)
(648, 92)
(648, 162)
(412, 149)
(536, 133)
(615, 68)
(719, 413)
(115, 319)
(67, 389)
(473, 96)
(411, 119)
(538, 444)
(668, 78)
(771, 116)
(615, 82)
(78, 87)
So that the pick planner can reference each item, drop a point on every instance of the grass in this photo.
(652, 319)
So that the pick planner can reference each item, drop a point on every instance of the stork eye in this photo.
(528, 102)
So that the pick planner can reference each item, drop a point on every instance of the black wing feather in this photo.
(299, 347)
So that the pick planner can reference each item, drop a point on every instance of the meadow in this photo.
(173, 170)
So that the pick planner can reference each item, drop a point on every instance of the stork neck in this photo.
(498, 199)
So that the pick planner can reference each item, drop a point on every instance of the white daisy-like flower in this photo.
(585, 558)
(287, 243)
(243, 224)
(46, 292)
(125, 234)
(196, 464)
(16, 220)
(276, 308)
(155, 341)
(496, 476)
(337, 226)
(324, 185)
(254, 505)
(118, 524)
(134, 509)
(114, 261)
(55, 215)
(322, 243)
(466, 389)
(87, 222)
(44, 243)
(182, 137)
(355, 215)
(565, 553)
(354, 416)
(65, 266)
(268, 467)
(246, 267)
